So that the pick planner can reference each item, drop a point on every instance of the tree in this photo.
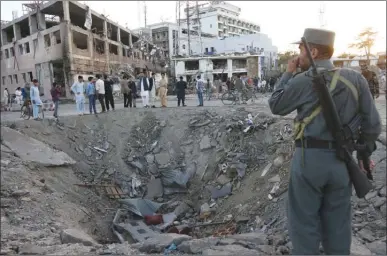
(285, 56)
(365, 41)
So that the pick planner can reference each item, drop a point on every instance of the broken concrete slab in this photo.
(30, 249)
(154, 189)
(197, 246)
(223, 179)
(158, 243)
(254, 237)
(205, 143)
(75, 236)
(138, 231)
(274, 179)
(228, 250)
(357, 248)
(162, 158)
(32, 150)
(378, 247)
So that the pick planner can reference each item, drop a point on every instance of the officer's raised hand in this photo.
(293, 65)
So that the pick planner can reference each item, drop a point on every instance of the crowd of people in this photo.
(147, 87)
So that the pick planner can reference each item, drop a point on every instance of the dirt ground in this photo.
(209, 146)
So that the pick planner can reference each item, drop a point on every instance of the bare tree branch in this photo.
(365, 41)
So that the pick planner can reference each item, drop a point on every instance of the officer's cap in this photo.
(319, 36)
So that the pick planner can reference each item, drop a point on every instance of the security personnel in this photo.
(372, 80)
(319, 206)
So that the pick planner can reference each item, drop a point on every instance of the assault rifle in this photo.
(344, 144)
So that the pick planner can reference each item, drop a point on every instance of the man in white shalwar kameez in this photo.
(144, 87)
(152, 92)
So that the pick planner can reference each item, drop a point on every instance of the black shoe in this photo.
(134, 106)
(153, 106)
(184, 105)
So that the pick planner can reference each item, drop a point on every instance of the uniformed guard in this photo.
(319, 206)
(372, 80)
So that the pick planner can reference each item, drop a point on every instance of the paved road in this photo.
(191, 101)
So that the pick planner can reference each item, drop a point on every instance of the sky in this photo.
(284, 22)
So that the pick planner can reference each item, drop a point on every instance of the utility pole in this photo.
(177, 42)
(188, 30)
(139, 13)
(321, 16)
(199, 28)
(144, 14)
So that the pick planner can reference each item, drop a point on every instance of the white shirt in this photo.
(78, 88)
(100, 86)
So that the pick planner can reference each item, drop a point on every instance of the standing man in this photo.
(180, 91)
(55, 93)
(91, 94)
(319, 194)
(100, 89)
(372, 79)
(125, 90)
(218, 85)
(239, 87)
(228, 84)
(6, 97)
(152, 90)
(26, 94)
(144, 87)
(199, 90)
(108, 92)
(133, 92)
(163, 90)
(78, 89)
(35, 99)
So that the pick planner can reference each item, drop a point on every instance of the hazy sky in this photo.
(284, 22)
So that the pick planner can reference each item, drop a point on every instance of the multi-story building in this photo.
(254, 44)
(173, 39)
(224, 67)
(221, 19)
(51, 43)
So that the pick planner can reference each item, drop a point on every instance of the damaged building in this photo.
(224, 66)
(57, 41)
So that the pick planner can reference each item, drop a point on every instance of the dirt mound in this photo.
(200, 172)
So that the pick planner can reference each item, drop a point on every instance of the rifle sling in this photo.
(300, 125)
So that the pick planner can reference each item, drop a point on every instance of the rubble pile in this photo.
(209, 182)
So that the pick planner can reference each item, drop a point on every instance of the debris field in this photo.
(173, 182)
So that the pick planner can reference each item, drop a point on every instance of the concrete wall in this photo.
(39, 56)
(209, 24)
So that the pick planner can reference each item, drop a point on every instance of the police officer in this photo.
(372, 80)
(319, 206)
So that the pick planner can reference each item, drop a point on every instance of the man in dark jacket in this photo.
(55, 93)
(108, 92)
(133, 92)
(180, 91)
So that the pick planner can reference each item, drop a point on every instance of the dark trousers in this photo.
(200, 97)
(109, 99)
(92, 104)
(101, 99)
(132, 99)
(319, 203)
(180, 98)
(56, 105)
(126, 99)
